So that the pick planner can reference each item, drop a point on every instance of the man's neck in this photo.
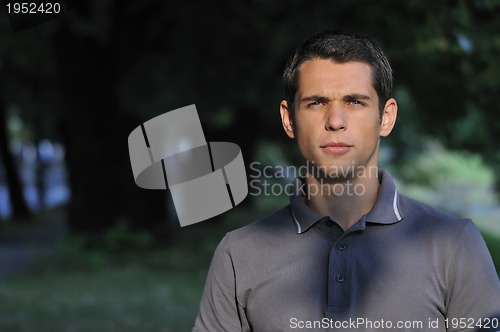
(345, 201)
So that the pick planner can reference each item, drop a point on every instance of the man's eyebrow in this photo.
(356, 96)
(314, 98)
(346, 97)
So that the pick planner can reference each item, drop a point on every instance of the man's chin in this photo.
(342, 173)
(333, 174)
(334, 179)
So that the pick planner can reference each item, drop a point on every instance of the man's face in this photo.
(337, 122)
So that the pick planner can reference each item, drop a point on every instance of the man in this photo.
(348, 252)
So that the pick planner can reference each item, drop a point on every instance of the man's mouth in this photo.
(336, 147)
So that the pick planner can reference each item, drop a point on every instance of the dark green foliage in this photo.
(88, 78)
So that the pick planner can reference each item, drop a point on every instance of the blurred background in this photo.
(82, 248)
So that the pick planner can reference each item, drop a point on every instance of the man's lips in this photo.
(336, 147)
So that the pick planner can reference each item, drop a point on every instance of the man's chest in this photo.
(344, 281)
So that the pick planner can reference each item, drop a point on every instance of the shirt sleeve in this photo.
(474, 287)
(219, 308)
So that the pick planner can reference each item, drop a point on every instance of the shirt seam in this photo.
(238, 304)
(452, 258)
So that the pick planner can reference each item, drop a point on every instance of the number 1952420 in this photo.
(471, 323)
(33, 8)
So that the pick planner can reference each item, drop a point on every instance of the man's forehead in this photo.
(317, 75)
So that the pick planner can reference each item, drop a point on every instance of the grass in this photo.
(75, 290)
(128, 298)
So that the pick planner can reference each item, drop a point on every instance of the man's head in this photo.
(340, 47)
(338, 104)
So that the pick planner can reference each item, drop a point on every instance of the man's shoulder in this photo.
(423, 213)
(269, 226)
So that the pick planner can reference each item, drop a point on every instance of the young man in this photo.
(348, 252)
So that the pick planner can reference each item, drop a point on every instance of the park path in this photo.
(21, 246)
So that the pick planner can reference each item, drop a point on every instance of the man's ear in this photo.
(389, 117)
(287, 119)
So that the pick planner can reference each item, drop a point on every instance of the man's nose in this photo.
(335, 118)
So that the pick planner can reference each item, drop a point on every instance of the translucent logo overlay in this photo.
(170, 151)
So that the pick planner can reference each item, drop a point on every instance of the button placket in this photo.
(338, 275)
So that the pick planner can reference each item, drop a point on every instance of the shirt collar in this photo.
(303, 216)
(385, 210)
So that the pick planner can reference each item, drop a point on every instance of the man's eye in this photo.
(314, 103)
(355, 102)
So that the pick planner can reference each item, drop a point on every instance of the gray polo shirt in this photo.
(403, 266)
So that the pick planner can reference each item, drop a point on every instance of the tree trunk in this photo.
(20, 210)
(95, 133)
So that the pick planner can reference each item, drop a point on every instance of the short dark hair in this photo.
(340, 46)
